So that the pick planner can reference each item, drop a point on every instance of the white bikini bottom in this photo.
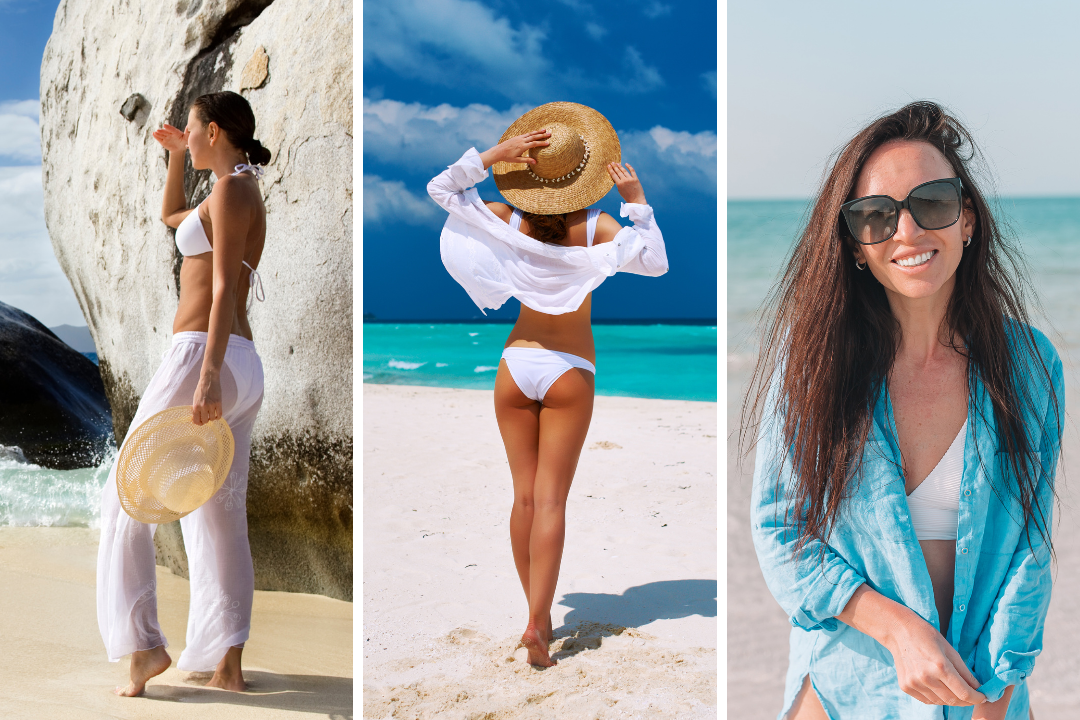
(535, 370)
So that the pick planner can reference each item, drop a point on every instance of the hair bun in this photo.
(257, 153)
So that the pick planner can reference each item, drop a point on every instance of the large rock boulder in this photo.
(112, 73)
(52, 402)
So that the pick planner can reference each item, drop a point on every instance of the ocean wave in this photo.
(442, 364)
(32, 496)
(485, 368)
(405, 365)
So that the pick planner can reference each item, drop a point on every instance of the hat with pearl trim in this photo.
(571, 171)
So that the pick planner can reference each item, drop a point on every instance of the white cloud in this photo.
(596, 32)
(20, 137)
(672, 161)
(30, 276)
(454, 43)
(642, 77)
(423, 138)
(708, 79)
(387, 201)
(656, 9)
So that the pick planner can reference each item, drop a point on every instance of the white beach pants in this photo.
(215, 535)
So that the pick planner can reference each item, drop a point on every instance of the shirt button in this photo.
(967, 492)
(964, 551)
(963, 607)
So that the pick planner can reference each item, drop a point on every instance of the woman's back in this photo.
(568, 332)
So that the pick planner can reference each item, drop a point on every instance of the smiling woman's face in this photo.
(929, 257)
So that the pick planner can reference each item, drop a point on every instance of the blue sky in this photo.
(804, 77)
(443, 75)
(30, 277)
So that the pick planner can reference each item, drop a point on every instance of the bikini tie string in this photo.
(255, 169)
(255, 281)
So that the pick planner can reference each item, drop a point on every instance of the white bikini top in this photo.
(935, 504)
(191, 236)
(590, 223)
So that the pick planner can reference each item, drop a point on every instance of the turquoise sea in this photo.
(671, 361)
(761, 234)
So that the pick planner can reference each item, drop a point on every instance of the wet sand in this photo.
(635, 608)
(298, 661)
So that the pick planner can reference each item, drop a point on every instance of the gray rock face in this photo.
(52, 402)
(112, 73)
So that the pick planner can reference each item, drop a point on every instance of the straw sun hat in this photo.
(571, 172)
(170, 466)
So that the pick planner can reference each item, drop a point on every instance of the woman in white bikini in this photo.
(213, 367)
(549, 251)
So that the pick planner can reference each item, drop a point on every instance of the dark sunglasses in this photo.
(933, 205)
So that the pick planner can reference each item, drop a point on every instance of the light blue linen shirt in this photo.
(1002, 584)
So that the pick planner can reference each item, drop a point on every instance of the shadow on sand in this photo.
(598, 615)
(316, 694)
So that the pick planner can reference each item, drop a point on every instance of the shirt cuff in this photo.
(995, 687)
(635, 211)
(473, 166)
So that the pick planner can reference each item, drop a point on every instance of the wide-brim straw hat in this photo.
(169, 466)
(571, 172)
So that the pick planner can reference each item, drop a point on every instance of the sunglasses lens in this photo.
(935, 205)
(871, 220)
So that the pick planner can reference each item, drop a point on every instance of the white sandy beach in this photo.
(758, 629)
(635, 612)
(298, 661)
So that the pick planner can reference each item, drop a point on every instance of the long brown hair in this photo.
(546, 228)
(233, 115)
(829, 333)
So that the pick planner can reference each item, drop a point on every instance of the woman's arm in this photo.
(448, 188)
(173, 203)
(927, 667)
(1014, 631)
(647, 253)
(230, 216)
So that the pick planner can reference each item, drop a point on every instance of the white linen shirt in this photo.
(494, 262)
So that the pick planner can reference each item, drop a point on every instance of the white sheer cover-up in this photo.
(222, 579)
(494, 262)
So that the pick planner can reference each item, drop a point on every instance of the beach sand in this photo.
(758, 628)
(298, 661)
(635, 608)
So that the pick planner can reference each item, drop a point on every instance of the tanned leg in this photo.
(519, 424)
(228, 676)
(145, 664)
(564, 422)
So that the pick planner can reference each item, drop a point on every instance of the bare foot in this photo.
(228, 675)
(145, 664)
(536, 645)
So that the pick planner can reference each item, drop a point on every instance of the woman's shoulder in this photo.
(1024, 337)
(501, 210)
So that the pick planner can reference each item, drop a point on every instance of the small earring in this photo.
(861, 267)
(968, 241)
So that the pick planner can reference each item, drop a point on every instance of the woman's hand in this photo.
(927, 667)
(171, 138)
(627, 181)
(206, 405)
(514, 149)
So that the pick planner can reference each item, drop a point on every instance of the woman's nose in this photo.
(906, 227)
